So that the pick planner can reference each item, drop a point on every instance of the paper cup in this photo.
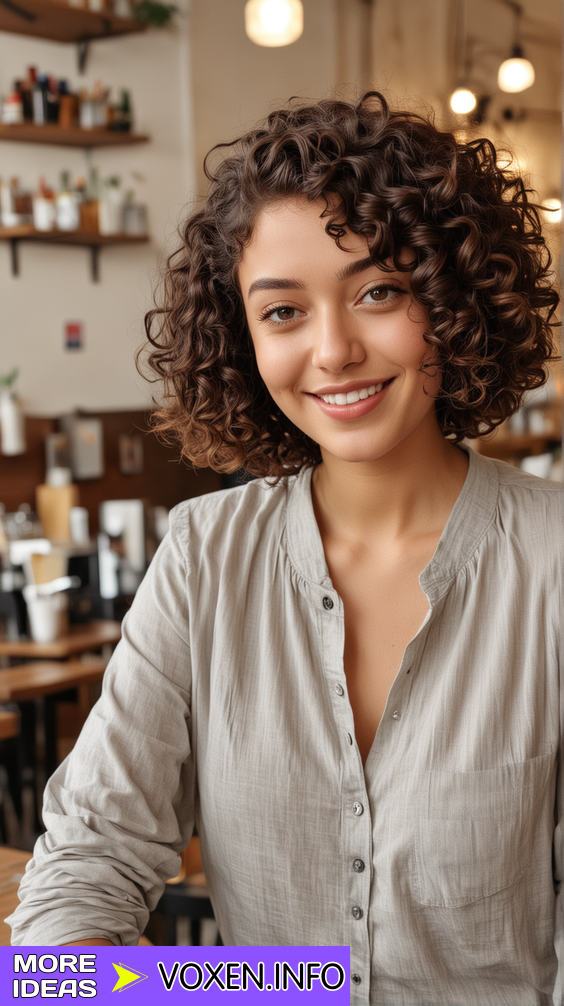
(47, 617)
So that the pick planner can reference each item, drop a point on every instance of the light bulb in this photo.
(274, 22)
(552, 210)
(515, 74)
(462, 101)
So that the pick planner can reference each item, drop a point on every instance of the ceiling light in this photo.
(274, 22)
(462, 101)
(552, 210)
(515, 74)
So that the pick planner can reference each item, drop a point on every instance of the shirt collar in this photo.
(469, 520)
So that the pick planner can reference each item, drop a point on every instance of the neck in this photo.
(408, 492)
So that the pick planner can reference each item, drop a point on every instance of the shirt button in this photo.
(395, 714)
(357, 912)
(358, 865)
(358, 809)
(356, 979)
(327, 603)
(339, 689)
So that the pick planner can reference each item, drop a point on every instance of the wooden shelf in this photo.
(94, 242)
(62, 23)
(56, 136)
(506, 448)
(26, 232)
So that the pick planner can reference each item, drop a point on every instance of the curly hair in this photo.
(481, 268)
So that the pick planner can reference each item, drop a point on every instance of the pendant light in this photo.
(516, 73)
(552, 210)
(274, 22)
(462, 99)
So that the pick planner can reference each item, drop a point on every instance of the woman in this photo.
(346, 674)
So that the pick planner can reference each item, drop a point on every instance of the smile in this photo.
(354, 404)
(354, 396)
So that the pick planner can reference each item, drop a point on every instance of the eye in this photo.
(281, 314)
(380, 294)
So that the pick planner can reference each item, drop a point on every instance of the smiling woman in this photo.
(345, 673)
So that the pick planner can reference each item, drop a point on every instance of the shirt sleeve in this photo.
(120, 808)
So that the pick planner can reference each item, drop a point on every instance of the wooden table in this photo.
(80, 639)
(46, 674)
(47, 677)
(45, 680)
(12, 867)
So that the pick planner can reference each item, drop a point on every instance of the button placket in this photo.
(357, 833)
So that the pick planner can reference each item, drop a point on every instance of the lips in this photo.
(343, 389)
(356, 409)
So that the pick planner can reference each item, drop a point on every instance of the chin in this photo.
(356, 454)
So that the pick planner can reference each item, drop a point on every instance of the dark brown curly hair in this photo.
(481, 268)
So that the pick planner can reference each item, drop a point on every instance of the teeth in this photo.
(352, 396)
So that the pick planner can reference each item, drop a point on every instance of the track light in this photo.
(274, 22)
(462, 101)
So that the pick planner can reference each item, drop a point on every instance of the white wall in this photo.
(236, 82)
(54, 285)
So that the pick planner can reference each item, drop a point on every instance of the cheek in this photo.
(278, 365)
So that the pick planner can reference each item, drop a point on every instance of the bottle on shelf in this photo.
(89, 205)
(52, 99)
(39, 97)
(12, 108)
(122, 114)
(68, 107)
(25, 90)
(134, 216)
(15, 204)
(44, 209)
(67, 209)
(110, 208)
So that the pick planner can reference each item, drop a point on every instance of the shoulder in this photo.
(529, 509)
(528, 492)
(223, 519)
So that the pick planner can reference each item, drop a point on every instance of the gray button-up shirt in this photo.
(226, 705)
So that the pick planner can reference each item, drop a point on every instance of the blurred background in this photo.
(107, 109)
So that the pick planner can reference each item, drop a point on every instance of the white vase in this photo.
(11, 424)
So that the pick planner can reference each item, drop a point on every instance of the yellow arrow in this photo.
(126, 976)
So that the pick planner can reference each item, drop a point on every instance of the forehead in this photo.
(292, 233)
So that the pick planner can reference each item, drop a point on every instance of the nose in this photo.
(335, 342)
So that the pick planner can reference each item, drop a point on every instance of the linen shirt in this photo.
(225, 705)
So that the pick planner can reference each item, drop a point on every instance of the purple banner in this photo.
(168, 974)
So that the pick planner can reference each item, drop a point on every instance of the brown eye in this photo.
(280, 314)
(379, 293)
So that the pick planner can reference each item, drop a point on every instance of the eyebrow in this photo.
(270, 283)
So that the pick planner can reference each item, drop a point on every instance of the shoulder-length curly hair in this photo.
(480, 268)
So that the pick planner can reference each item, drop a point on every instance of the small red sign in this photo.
(74, 335)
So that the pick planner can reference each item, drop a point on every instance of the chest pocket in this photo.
(476, 830)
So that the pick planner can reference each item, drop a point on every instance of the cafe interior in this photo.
(108, 108)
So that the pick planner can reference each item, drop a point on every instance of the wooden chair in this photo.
(10, 832)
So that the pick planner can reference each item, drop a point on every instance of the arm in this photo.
(119, 809)
(89, 943)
